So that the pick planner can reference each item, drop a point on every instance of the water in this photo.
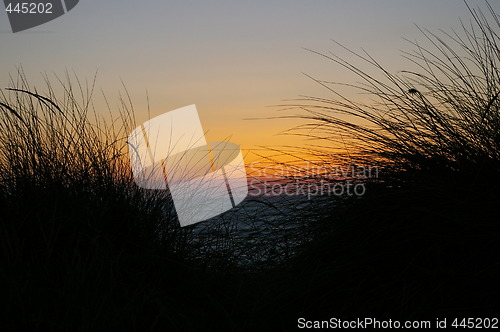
(261, 231)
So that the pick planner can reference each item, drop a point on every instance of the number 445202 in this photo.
(476, 323)
(30, 8)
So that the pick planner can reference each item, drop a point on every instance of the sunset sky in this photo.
(234, 59)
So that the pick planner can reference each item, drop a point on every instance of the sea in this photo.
(269, 227)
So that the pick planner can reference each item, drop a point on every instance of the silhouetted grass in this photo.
(441, 117)
(423, 242)
(82, 247)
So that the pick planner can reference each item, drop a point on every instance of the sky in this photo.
(236, 60)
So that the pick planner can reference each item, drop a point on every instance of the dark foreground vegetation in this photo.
(82, 248)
